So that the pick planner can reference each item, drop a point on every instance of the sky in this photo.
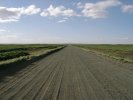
(66, 21)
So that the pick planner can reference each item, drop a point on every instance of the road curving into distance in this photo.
(70, 74)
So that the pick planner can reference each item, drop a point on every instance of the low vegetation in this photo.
(119, 52)
(14, 53)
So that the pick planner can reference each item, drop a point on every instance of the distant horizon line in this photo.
(68, 43)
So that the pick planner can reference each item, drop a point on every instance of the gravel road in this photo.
(70, 74)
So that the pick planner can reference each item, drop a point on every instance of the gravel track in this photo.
(71, 74)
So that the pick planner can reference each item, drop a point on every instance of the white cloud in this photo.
(58, 11)
(14, 14)
(66, 18)
(9, 14)
(7, 36)
(79, 5)
(3, 30)
(127, 8)
(32, 9)
(61, 21)
(125, 38)
(97, 10)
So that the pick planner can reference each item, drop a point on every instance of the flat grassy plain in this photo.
(119, 52)
(12, 53)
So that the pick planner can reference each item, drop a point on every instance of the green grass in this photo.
(12, 47)
(120, 52)
(12, 54)
(9, 52)
(110, 47)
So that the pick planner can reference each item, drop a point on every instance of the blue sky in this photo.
(66, 21)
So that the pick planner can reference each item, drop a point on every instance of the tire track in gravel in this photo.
(25, 73)
(13, 88)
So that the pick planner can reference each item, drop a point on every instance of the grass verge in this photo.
(122, 53)
(33, 56)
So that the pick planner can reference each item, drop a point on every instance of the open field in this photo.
(119, 52)
(70, 74)
(11, 53)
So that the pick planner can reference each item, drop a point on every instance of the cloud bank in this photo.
(14, 14)
(58, 11)
(96, 10)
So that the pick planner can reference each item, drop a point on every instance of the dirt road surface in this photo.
(70, 74)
